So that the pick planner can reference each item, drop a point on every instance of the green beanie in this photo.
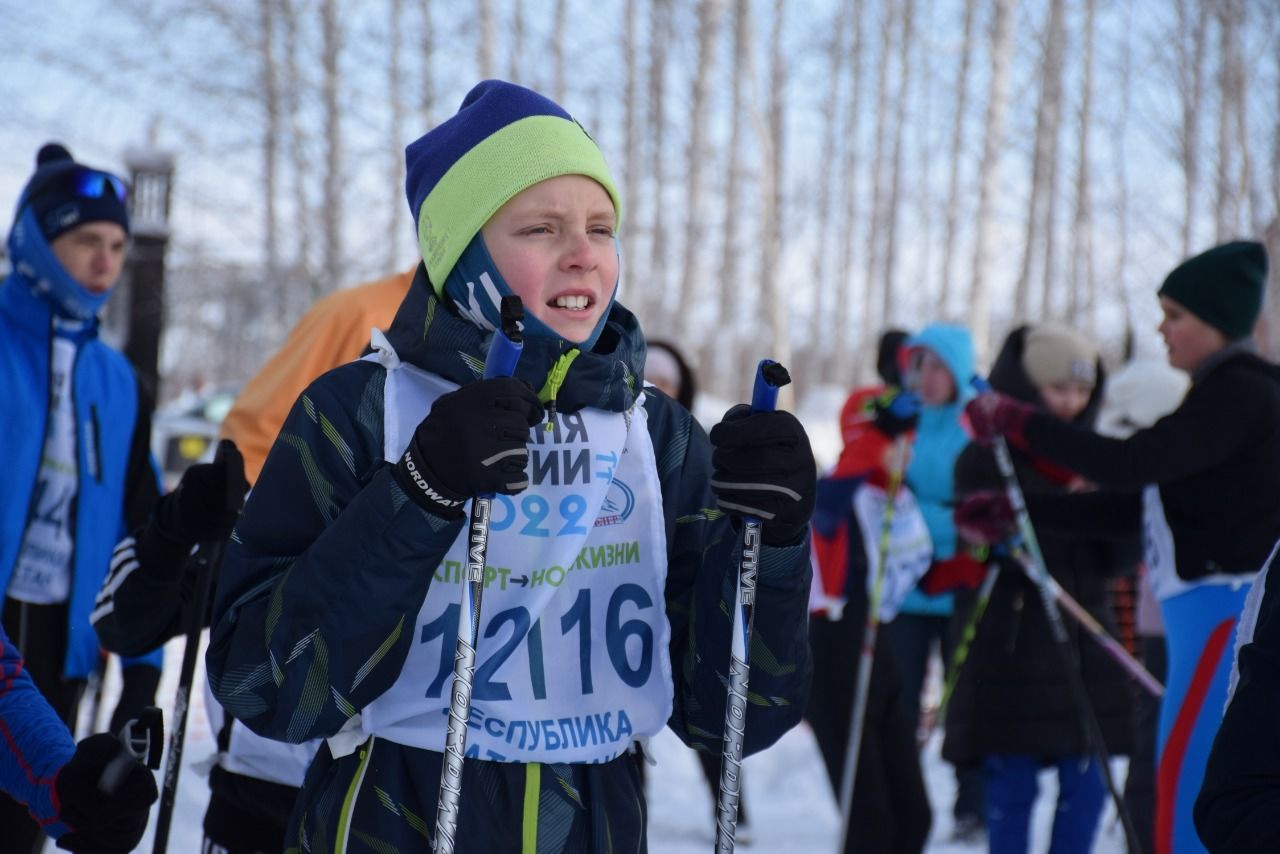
(1222, 286)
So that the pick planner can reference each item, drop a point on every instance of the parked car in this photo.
(185, 431)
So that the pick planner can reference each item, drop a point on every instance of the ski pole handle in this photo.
(141, 741)
(770, 376)
(508, 341)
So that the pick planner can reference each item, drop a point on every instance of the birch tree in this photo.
(271, 134)
(1043, 157)
(720, 354)
(1055, 52)
(1191, 52)
(988, 170)
(877, 176)
(827, 297)
(850, 164)
(630, 141)
(659, 38)
(1082, 276)
(485, 36)
(709, 14)
(961, 101)
(427, 85)
(772, 178)
(396, 133)
(892, 213)
(331, 211)
(558, 36)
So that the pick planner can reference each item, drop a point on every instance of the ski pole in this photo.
(504, 352)
(1095, 630)
(210, 560)
(141, 742)
(862, 687)
(770, 376)
(1038, 572)
(961, 653)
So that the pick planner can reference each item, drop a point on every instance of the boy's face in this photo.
(92, 253)
(553, 243)
(1187, 338)
(1067, 399)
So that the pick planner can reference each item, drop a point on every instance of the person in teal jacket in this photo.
(75, 429)
(614, 541)
(939, 367)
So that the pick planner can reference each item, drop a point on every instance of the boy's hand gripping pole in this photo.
(770, 376)
(504, 353)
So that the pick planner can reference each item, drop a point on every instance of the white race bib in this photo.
(910, 548)
(572, 659)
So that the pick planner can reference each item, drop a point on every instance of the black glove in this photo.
(99, 821)
(895, 413)
(473, 442)
(985, 517)
(762, 466)
(208, 499)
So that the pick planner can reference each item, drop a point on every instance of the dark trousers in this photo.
(1140, 784)
(1012, 786)
(40, 633)
(911, 638)
(890, 811)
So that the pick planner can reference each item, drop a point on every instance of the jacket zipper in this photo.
(349, 802)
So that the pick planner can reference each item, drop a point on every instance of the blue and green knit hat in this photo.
(503, 139)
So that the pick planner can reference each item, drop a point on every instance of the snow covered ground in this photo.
(790, 804)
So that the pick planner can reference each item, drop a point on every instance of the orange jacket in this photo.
(333, 332)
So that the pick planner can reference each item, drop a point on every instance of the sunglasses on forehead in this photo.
(91, 184)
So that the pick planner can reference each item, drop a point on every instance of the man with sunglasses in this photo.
(74, 431)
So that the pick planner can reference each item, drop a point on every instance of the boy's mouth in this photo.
(572, 302)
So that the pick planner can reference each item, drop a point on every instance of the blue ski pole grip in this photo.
(508, 342)
(980, 385)
(770, 376)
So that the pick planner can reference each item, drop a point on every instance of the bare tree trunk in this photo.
(957, 156)
(334, 192)
(271, 134)
(659, 38)
(300, 162)
(719, 353)
(874, 239)
(557, 50)
(772, 181)
(988, 171)
(395, 149)
(1225, 209)
(709, 14)
(1040, 166)
(485, 35)
(895, 170)
(1054, 58)
(1191, 26)
(841, 321)
(827, 297)
(1120, 133)
(630, 151)
(1082, 278)
(515, 54)
(427, 49)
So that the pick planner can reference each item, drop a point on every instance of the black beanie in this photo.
(887, 366)
(64, 194)
(1223, 286)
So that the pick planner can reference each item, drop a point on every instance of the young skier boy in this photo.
(612, 553)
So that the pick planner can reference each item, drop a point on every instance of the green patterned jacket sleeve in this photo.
(325, 573)
(703, 557)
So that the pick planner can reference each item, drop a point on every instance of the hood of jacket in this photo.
(1009, 376)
